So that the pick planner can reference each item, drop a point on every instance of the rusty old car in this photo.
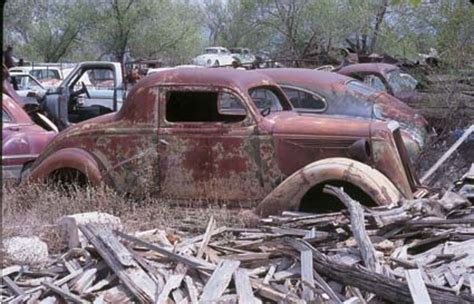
(320, 92)
(427, 94)
(22, 139)
(229, 135)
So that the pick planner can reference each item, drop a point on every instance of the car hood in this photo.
(393, 108)
(293, 123)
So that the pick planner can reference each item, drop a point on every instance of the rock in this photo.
(26, 250)
(385, 245)
(68, 226)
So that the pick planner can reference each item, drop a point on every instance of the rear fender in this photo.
(288, 195)
(69, 158)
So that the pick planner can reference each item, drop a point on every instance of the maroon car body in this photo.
(221, 134)
(22, 139)
(328, 93)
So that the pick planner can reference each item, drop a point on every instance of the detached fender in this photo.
(288, 195)
(72, 158)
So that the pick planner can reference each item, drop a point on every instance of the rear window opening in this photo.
(203, 106)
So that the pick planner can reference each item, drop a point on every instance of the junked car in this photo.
(225, 134)
(50, 75)
(22, 139)
(391, 79)
(27, 87)
(319, 92)
(215, 56)
(243, 55)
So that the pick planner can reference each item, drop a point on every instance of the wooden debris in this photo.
(418, 290)
(425, 251)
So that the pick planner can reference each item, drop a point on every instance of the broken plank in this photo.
(173, 282)
(356, 212)
(121, 262)
(187, 260)
(307, 275)
(243, 287)
(417, 287)
(191, 289)
(65, 294)
(219, 280)
(272, 294)
(447, 154)
(206, 238)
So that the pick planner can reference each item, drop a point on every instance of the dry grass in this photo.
(35, 209)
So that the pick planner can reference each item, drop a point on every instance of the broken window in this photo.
(302, 99)
(203, 106)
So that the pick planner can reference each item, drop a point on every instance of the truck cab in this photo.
(92, 89)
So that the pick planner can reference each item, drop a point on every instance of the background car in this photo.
(320, 92)
(27, 87)
(215, 56)
(22, 139)
(243, 55)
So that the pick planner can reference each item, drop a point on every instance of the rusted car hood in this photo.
(289, 122)
(393, 107)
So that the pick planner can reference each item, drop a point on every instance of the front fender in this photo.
(288, 195)
(72, 158)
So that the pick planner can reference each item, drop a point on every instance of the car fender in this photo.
(288, 195)
(73, 158)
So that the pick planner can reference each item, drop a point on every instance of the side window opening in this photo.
(203, 106)
(304, 100)
(264, 98)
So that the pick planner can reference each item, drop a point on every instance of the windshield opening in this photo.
(398, 83)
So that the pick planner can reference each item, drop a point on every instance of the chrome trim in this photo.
(403, 154)
(16, 156)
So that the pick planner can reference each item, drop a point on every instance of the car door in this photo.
(15, 150)
(208, 148)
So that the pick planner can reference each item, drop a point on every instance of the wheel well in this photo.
(316, 201)
(66, 176)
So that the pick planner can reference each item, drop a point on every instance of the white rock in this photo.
(28, 250)
(69, 226)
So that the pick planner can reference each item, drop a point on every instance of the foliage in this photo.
(177, 30)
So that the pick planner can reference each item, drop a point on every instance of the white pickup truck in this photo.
(91, 89)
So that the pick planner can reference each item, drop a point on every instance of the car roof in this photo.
(221, 77)
(304, 77)
(374, 67)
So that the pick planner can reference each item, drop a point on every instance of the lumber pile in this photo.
(421, 251)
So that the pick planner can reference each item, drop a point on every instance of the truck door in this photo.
(208, 148)
(92, 89)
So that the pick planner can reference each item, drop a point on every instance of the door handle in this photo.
(164, 142)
